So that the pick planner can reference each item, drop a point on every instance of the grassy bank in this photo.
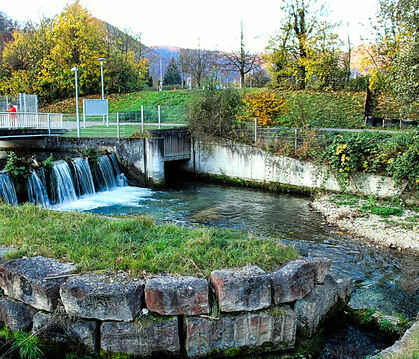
(132, 244)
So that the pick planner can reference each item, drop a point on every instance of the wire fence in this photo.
(126, 124)
(23, 102)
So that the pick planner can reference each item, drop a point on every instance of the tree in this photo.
(200, 63)
(39, 57)
(305, 51)
(172, 75)
(242, 61)
(395, 54)
(184, 63)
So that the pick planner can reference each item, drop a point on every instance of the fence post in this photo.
(142, 118)
(37, 120)
(117, 125)
(295, 141)
(107, 120)
(158, 113)
(61, 120)
(49, 125)
(256, 130)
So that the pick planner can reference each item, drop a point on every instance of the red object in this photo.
(12, 109)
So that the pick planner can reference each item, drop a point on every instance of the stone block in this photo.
(245, 289)
(65, 330)
(103, 296)
(148, 335)
(320, 266)
(16, 315)
(313, 308)
(269, 330)
(177, 295)
(345, 287)
(293, 281)
(35, 280)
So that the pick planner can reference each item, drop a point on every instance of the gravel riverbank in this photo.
(397, 232)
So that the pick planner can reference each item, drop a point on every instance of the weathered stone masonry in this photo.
(237, 309)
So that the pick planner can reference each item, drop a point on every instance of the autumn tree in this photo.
(306, 51)
(172, 75)
(39, 58)
(184, 63)
(241, 61)
(394, 54)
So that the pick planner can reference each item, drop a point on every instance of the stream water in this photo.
(380, 275)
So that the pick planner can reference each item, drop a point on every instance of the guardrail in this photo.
(15, 120)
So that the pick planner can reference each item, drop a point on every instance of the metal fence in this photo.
(36, 120)
(23, 102)
(126, 124)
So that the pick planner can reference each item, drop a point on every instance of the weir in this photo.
(68, 181)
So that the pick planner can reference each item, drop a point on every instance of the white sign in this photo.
(93, 107)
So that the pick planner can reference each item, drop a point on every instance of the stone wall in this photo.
(234, 311)
(235, 160)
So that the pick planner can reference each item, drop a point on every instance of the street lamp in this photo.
(75, 70)
(101, 59)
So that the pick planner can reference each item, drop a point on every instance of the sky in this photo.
(213, 24)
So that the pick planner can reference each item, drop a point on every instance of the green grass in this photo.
(103, 131)
(134, 244)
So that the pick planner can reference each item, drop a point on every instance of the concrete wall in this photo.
(253, 164)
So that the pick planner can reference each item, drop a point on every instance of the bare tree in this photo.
(184, 63)
(200, 62)
(242, 61)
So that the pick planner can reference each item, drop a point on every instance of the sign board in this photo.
(94, 107)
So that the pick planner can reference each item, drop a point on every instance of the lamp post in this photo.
(101, 59)
(75, 70)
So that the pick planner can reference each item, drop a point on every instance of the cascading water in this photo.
(64, 185)
(110, 173)
(120, 177)
(36, 190)
(7, 189)
(83, 176)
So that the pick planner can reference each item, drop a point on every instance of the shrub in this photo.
(18, 167)
(264, 105)
(213, 113)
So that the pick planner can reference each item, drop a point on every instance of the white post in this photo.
(256, 130)
(49, 125)
(37, 120)
(61, 120)
(158, 114)
(84, 115)
(107, 120)
(142, 118)
(117, 125)
(77, 102)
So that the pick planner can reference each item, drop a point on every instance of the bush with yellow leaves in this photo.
(264, 105)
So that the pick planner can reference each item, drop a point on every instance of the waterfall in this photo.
(120, 177)
(83, 176)
(36, 190)
(64, 186)
(7, 189)
(109, 175)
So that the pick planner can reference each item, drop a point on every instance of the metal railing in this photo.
(15, 120)
(128, 123)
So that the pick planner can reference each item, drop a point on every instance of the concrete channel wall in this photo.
(232, 312)
(239, 161)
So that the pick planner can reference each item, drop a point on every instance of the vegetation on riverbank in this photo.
(134, 244)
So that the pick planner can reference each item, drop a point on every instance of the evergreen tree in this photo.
(172, 75)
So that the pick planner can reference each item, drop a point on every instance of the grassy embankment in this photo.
(132, 244)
